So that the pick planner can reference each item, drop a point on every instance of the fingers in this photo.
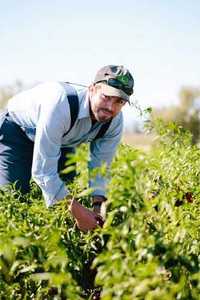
(85, 228)
(97, 221)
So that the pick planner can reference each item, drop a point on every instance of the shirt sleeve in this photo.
(102, 151)
(54, 120)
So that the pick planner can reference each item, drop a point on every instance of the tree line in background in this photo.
(8, 91)
(185, 114)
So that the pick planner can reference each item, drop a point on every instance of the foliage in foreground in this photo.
(148, 249)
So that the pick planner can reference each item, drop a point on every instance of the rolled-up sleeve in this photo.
(54, 120)
(102, 151)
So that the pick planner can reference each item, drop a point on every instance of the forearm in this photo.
(53, 189)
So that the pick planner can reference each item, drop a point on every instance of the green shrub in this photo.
(149, 247)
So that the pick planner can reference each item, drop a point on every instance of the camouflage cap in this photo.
(117, 80)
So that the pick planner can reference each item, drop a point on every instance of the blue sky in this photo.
(159, 41)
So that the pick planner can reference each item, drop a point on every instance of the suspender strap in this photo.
(73, 105)
(103, 130)
(74, 110)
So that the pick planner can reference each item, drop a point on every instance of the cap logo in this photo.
(123, 79)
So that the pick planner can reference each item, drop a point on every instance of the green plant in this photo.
(149, 247)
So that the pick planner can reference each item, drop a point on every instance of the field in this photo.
(148, 248)
(138, 140)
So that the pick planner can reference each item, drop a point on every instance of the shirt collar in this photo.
(84, 111)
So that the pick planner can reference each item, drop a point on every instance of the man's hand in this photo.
(85, 218)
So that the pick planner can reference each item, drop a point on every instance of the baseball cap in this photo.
(116, 81)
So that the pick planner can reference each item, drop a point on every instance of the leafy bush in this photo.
(149, 247)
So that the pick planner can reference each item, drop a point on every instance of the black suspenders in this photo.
(74, 110)
(73, 105)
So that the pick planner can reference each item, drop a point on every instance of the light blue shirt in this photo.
(43, 112)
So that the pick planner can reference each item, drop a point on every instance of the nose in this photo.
(109, 104)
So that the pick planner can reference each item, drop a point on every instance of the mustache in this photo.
(106, 110)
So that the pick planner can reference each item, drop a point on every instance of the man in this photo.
(40, 127)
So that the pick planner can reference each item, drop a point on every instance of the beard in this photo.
(103, 115)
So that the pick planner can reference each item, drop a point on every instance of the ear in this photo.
(91, 88)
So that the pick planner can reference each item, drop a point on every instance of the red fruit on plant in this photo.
(189, 197)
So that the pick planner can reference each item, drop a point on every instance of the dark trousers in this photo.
(16, 155)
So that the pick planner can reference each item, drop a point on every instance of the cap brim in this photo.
(111, 91)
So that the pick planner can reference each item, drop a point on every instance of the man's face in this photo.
(103, 108)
